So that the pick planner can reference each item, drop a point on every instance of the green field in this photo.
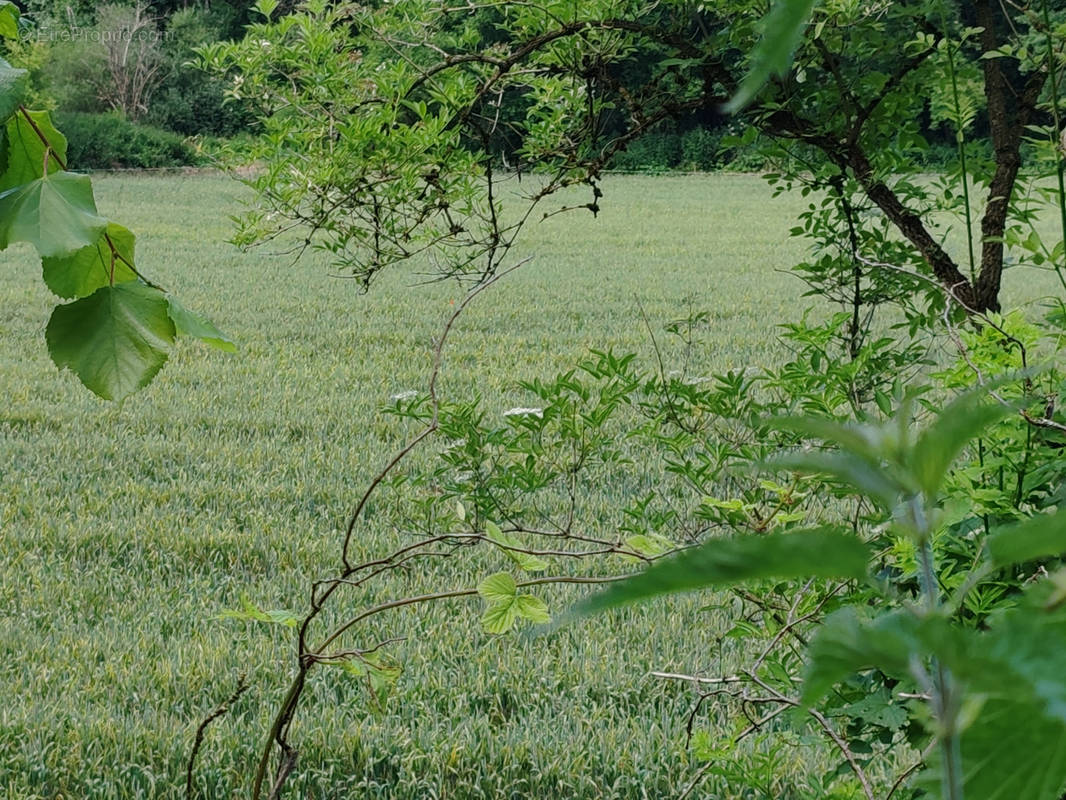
(126, 529)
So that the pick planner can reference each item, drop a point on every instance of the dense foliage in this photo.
(883, 508)
(131, 59)
(385, 129)
(119, 328)
(108, 141)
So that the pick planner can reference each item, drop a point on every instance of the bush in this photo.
(110, 141)
(189, 101)
(697, 149)
(701, 149)
(75, 73)
(652, 152)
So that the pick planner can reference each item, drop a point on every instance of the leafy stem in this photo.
(942, 684)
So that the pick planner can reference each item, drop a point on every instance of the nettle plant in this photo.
(119, 328)
(897, 652)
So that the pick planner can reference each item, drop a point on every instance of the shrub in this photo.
(189, 101)
(698, 148)
(653, 152)
(109, 141)
(701, 149)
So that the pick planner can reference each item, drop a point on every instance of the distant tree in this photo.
(131, 40)
(424, 100)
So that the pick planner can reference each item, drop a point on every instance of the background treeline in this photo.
(119, 79)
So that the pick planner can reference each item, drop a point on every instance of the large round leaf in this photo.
(56, 214)
(88, 269)
(115, 340)
(26, 147)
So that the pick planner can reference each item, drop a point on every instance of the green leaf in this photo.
(266, 7)
(380, 670)
(506, 606)
(189, 323)
(870, 478)
(497, 588)
(9, 20)
(649, 545)
(1025, 649)
(879, 708)
(532, 608)
(500, 618)
(1041, 536)
(1010, 752)
(783, 29)
(88, 269)
(25, 149)
(525, 561)
(57, 215)
(847, 643)
(862, 440)
(14, 83)
(250, 612)
(115, 340)
(820, 552)
(957, 424)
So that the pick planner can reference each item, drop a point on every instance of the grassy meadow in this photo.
(126, 529)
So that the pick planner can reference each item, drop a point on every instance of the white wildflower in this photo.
(404, 395)
(524, 412)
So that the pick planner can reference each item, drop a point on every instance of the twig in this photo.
(242, 687)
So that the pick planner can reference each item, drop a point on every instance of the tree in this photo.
(401, 108)
(389, 131)
(135, 59)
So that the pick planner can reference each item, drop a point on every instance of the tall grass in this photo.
(126, 530)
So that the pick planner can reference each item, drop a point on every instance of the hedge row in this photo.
(110, 141)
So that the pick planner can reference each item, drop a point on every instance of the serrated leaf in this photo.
(783, 29)
(846, 643)
(189, 323)
(88, 269)
(532, 608)
(497, 588)
(878, 709)
(939, 445)
(1024, 648)
(25, 148)
(14, 83)
(1040, 536)
(872, 479)
(1010, 752)
(500, 618)
(115, 340)
(507, 542)
(820, 552)
(56, 214)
